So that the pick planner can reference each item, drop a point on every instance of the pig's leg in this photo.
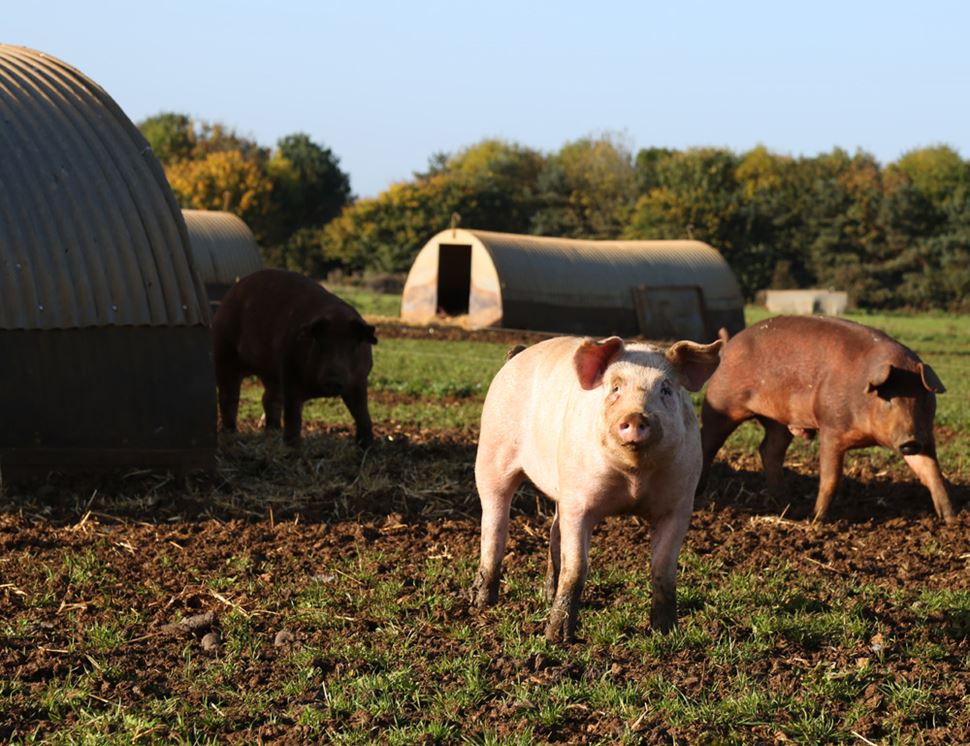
(272, 405)
(831, 459)
(496, 491)
(716, 427)
(927, 468)
(772, 449)
(552, 569)
(292, 418)
(229, 385)
(574, 534)
(355, 398)
(667, 537)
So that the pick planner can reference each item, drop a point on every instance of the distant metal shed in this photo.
(223, 249)
(660, 289)
(813, 300)
(105, 356)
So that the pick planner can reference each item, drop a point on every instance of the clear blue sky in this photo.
(386, 84)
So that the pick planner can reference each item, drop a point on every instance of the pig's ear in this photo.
(366, 332)
(316, 329)
(878, 377)
(931, 381)
(695, 363)
(593, 358)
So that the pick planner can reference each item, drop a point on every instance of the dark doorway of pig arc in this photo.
(454, 278)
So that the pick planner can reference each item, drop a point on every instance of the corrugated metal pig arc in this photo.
(101, 217)
(105, 357)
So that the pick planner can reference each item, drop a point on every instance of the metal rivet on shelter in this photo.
(105, 356)
(658, 289)
(223, 250)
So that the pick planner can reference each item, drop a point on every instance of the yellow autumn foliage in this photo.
(223, 180)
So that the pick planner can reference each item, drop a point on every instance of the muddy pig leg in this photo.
(831, 458)
(772, 449)
(272, 405)
(575, 529)
(496, 491)
(292, 418)
(229, 384)
(355, 398)
(716, 427)
(552, 568)
(666, 539)
(927, 468)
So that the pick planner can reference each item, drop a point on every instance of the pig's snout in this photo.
(633, 429)
(911, 448)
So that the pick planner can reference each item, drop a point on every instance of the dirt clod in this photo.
(195, 624)
(211, 642)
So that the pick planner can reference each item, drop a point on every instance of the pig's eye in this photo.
(665, 389)
(616, 388)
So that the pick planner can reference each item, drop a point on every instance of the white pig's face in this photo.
(643, 407)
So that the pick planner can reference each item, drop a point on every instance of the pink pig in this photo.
(602, 428)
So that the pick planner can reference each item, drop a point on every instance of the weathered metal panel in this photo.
(546, 317)
(223, 249)
(578, 273)
(671, 313)
(829, 302)
(90, 234)
(107, 396)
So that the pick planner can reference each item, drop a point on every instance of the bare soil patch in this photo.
(161, 544)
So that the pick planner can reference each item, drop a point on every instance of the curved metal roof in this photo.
(223, 247)
(574, 272)
(90, 233)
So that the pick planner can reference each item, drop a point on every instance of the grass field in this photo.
(337, 583)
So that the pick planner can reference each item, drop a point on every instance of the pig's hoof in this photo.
(663, 623)
(484, 592)
(561, 631)
(562, 622)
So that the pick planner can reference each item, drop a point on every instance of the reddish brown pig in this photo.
(302, 341)
(852, 385)
(601, 428)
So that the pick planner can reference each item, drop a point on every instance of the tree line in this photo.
(894, 236)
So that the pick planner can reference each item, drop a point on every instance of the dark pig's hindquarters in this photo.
(301, 341)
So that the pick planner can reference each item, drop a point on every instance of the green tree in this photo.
(311, 187)
(171, 136)
(586, 190)
(491, 185)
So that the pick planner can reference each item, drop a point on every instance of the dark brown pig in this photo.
(602, 428)
(302, 341)
(852, 385)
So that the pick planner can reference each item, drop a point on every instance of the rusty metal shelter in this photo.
(223, 250)
(104, 344)
(656, 289)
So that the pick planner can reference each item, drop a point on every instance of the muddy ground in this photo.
(409, 499)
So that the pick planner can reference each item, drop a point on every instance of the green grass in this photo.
(368, 302)
(385, 652)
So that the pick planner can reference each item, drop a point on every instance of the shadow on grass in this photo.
(405, 477)
(876, 497)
